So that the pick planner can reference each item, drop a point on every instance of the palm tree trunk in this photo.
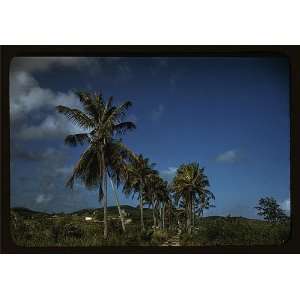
(163, 216)
(104, 186)
(170, 220)
(142, 214)
(105, 208)
(118, 204)
(187, 216)
(189, 219)
(160, 216)
(193, 214)
(153, 214)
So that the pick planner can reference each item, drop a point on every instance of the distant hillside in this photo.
(231, 218)
(26, 211)
(113, 210)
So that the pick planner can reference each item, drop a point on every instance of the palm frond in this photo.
(75, 139)
(116, 114)
(123, 127)
(76, 116)
(90, 104)
(87, 169)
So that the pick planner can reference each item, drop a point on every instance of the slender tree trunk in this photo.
(142, 214)
(105, 206)
(188, 221)
(170, 215)
(153, 214)
(187, 216)
(193, 214)
(118, 204)
(160, 215)
(104, 188)
(163, 216)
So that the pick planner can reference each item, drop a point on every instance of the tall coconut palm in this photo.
(190, 188)
(138, 172)
(165, 202)
(105, 155)
(161, 195)
(151, 192)
(156, 194)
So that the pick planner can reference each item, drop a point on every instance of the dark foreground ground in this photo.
(36, 229)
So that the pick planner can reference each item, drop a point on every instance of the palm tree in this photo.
(150, 192)
(105, 155)
(165, 200)
(138, 172)
(190, 188)
(156, 194)
(161, 195)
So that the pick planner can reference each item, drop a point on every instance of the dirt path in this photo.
(173, 240)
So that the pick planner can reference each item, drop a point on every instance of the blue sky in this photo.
(229, 114)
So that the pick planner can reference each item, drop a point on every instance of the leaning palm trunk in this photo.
(104, 199)
(118, 205)
(105, 210)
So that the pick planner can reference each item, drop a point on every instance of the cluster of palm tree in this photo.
(106, 157)
(190, 189)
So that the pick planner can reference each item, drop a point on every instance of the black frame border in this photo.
(8, 52)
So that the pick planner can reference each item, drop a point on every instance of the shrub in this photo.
(159, 236)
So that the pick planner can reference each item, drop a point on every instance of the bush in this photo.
(159, 236)
(72, 231)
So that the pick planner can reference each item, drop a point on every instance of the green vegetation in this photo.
(33, 229)
(270, 210)
(175, 210)
(238, 231)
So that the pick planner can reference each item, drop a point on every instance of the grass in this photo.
(222, 231)
(35, 229)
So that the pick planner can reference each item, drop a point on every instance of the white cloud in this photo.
(157, 113)
(21, 152)
(42, 198)
(229, 156)
(170, 171)
(54, 126)
(32, 107)
(26, 96)
(41, 64)
(286, 204)
(28, 100)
